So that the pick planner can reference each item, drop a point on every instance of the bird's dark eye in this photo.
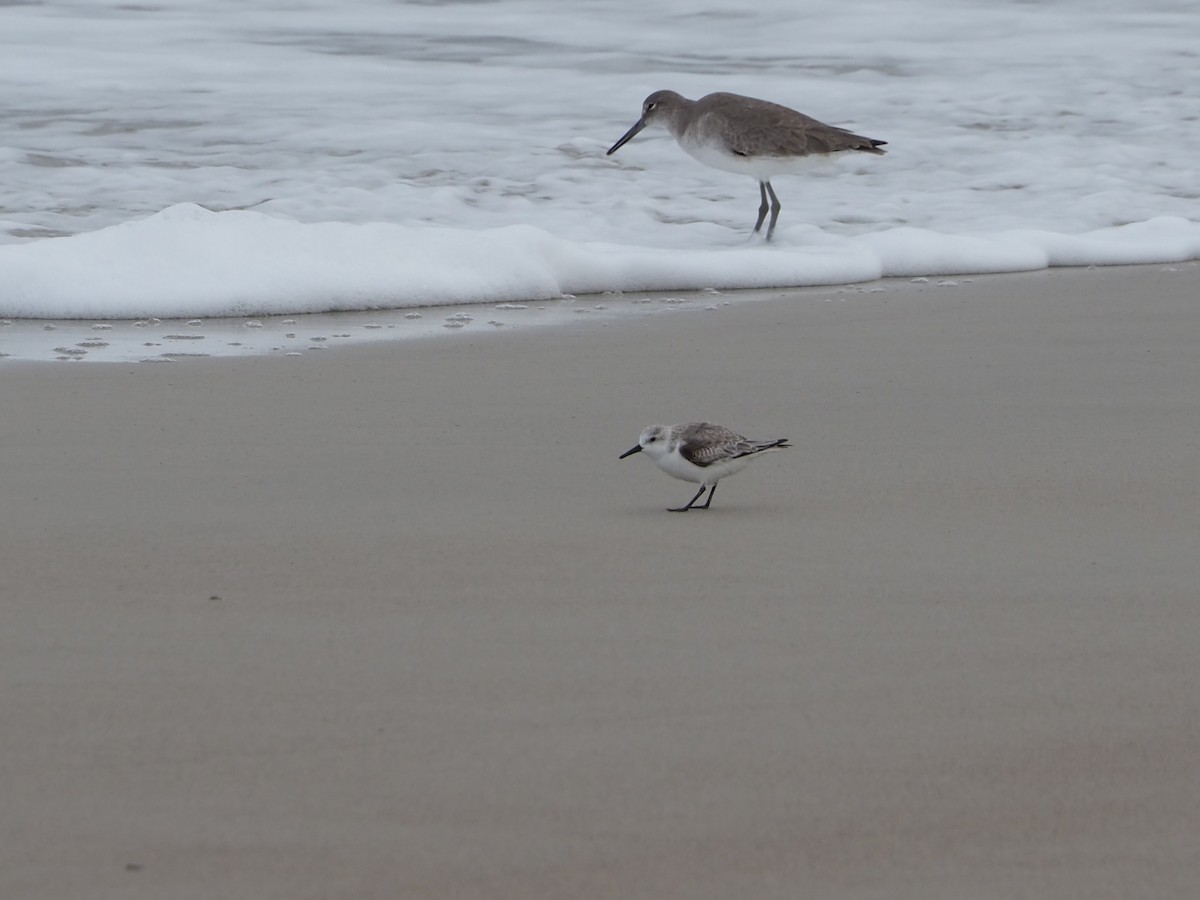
(651, 440)
(650, 106)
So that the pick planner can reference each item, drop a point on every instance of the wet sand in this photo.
(394, 621)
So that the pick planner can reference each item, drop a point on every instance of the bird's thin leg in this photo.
(776, 206)
(762, 209)
(712, 490)
(703, 488)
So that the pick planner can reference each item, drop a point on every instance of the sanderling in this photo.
(700, 452)
(747, 136)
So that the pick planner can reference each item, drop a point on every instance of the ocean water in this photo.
(250, 158)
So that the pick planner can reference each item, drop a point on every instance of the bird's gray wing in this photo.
(703, 444)
(768, 129)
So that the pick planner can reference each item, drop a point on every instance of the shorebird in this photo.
(701, 453)
(746, 136)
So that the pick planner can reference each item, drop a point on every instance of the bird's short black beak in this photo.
(637, 448)
(625, 138)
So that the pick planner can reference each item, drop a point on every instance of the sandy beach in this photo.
(394, 621)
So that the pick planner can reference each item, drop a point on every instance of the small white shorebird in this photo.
(746, 136)
(700, 452)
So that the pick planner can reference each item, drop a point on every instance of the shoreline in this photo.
(395, 621)
(154, 339)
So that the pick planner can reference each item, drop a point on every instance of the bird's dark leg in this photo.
(762, 209)
(703, 488)
(712, 490)
(776, 206)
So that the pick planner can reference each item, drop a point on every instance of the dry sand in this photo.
(394, 622)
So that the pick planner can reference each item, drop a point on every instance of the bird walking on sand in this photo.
(701, 453)
(746, 136)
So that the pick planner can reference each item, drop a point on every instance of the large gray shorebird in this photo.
(747, 136)
(701, 453)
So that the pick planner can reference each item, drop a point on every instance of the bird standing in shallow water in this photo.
(700, 452)
(747, 136)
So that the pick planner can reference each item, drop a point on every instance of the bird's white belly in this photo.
(680, 468)
(714, 153)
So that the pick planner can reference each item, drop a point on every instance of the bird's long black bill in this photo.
(631, 451)
(626, 137)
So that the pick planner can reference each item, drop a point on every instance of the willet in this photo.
(747, 136)
(701, 453)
